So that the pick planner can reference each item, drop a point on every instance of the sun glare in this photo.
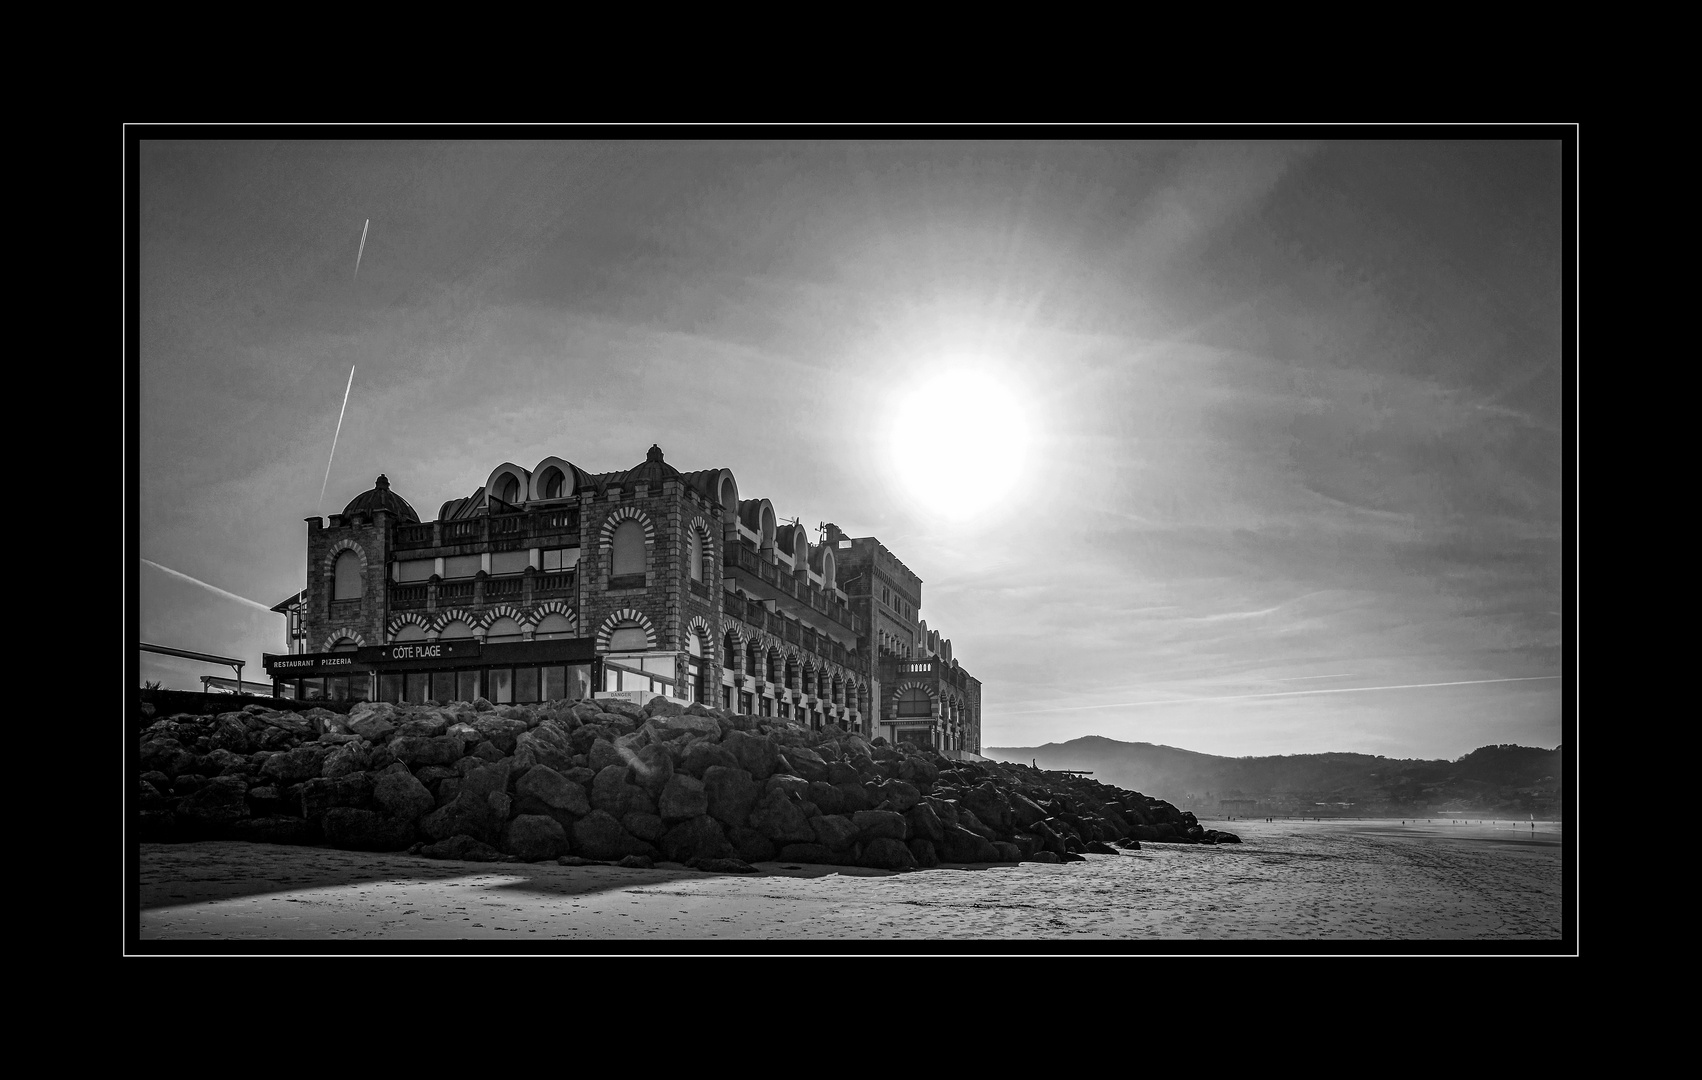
(959, 443)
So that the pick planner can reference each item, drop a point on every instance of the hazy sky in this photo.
(1167, 429)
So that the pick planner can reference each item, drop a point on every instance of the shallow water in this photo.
(1289, 881)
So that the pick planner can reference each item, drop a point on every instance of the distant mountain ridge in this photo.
(1506, 779)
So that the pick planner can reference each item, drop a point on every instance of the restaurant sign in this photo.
(419, 650)
(312, 664)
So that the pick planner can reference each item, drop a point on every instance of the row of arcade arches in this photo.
(769, 662)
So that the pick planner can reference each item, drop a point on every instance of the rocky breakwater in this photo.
(607, 781)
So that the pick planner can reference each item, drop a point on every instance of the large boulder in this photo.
(652, 769)
(900, 795)
(856, 796)
(400, 794)
(925, 823)
(682, 797)
(548, 744)
(363, 830)
(886, 853)
(791, 785)
(604, 753)
(968, 819)
(988, 804)
(754, 753)
(664, 706)
(829, 798)
(647, 827)
(293, 766)
(425, 723)
(917, 770)
(834, 832)
(553, 790)
(213, 807)
(700, 838)
(702, 755)
(416, 750)
(751, 845)
(500, 731)
(781, 820)
(874, 824)
(616, 795)
(924, 852)
(962, 846)
(806, 763)
(534, 838)
(626, 710)
(1024, 811)
(732, 794)
(598, 835)
(320, 794)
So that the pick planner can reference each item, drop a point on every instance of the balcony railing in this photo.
(452, 591)
(507, 588)
(554, 584)
(488, 529)
(412, 536)
(404, 597)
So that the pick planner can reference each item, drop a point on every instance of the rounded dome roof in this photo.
(382, 498)
(652, 470)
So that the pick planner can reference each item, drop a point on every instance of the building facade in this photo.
(552, 582)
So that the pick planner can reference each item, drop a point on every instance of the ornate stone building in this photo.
(554, 582)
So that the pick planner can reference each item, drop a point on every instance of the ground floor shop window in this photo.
(526, 684)
(418, 685)
(467, 686)
(443, 686)
(785, 711)
(727, 698)
(390, 688)
(502, 686)
(744, 702)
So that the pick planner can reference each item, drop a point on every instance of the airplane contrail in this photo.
(333, 456)
(204, 585)
(1303, 678)
(362, 250)
(1279, 693)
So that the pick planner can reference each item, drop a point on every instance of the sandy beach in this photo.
(1290, 881)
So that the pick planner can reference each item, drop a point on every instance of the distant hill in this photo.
(1507, 780)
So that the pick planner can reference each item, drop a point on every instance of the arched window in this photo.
(344, 644)
(410, 632)
(554, 625)
(455, 630)
(553, 484)
(627, 550)
(913, 701)
(629, 636)
(504, 629)
(346, 583)
(510, 492)
(694, 553)
(730, 652)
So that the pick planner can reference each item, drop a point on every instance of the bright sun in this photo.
(960, 441)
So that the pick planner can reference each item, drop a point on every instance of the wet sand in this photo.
(1290, 881)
